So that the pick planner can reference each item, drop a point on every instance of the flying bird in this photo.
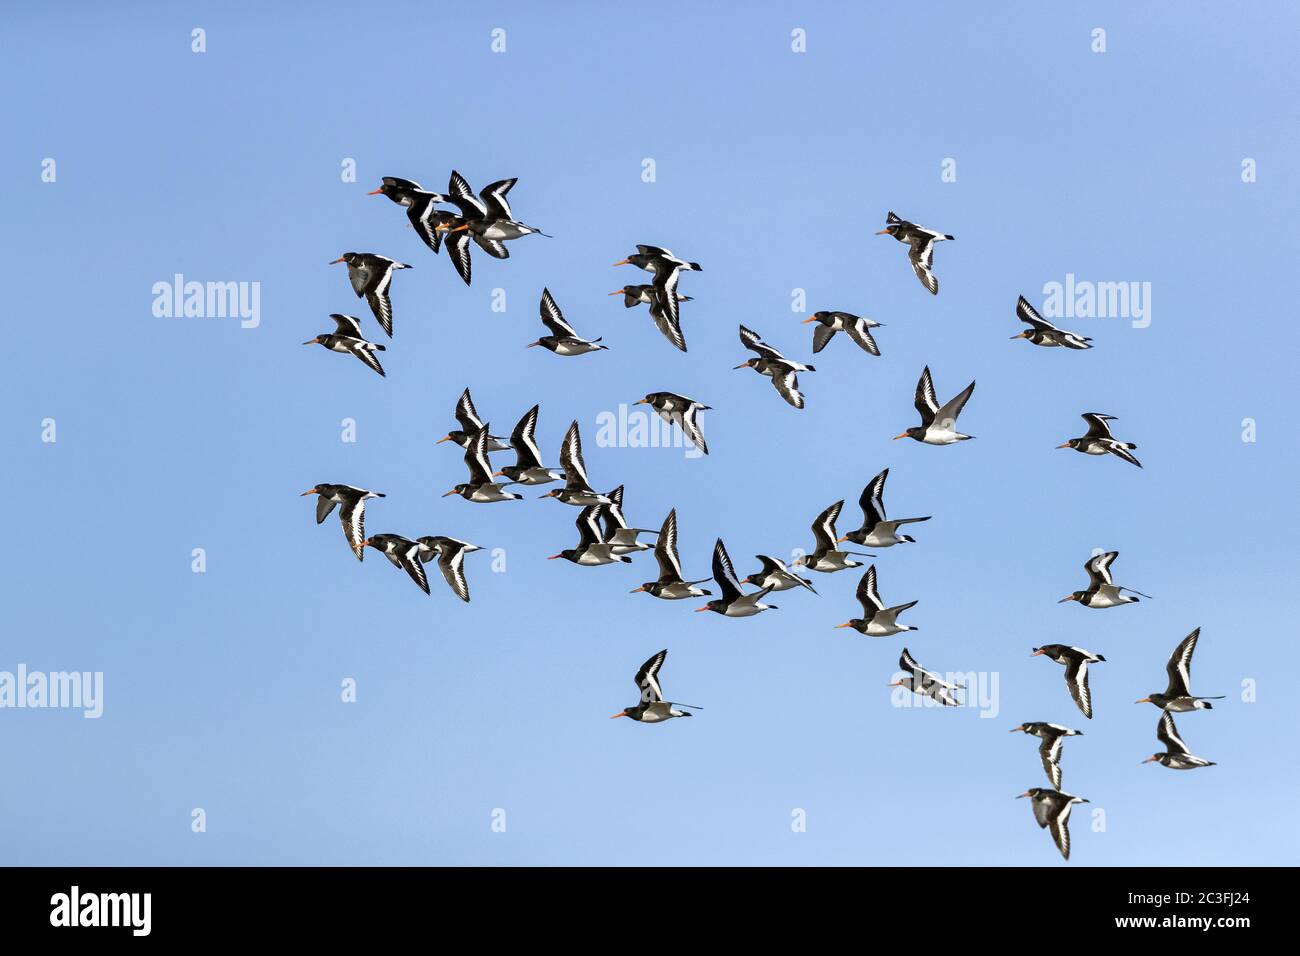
(353, 515)
(876, 531)
(470, 425)
(486, 217)
(773, 364)
(634, 295)
(733, 602)
(938, 425)
(592, 549)
(825, 556)
(877, 620)
(480, 488)
(920, 252)
(576, 490)
(1176, 755)
(667, 269)
(1044, 333)
(680, 411)
(652, 708)
(1052, 809)
(854, 326)
(421, 207)
(403, 553)
(1102, 591)
(346, 338)
(926, 683)
(528, 468)
(563, 340)
(1098, 440)
(1076, 661)
(669, 324)
(450, 555)
(1049, 751)
(775, 576)
(371, 275)
(1178, 696)
(670, 586)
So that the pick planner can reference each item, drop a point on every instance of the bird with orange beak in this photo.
(652, 708)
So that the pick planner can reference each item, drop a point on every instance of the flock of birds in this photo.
(604, 534)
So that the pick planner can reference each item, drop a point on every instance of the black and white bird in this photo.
(825, 556)
(733, 602)
(622, 538)
(421, 207)
(563, 340)
(926, 683)
(876, 531)
(480, 488)
(1052, 809)
(854, 326)
(669, 324)
(1178, 696)
(634, 295)
(353, 514)
(470, 425)
(1176, 755)
(450, 555)
(487, 216)
(667, 269)
(671, 586)
(1098, 440)
(371, 275)
(346, 338)
(528, 468)
(652, 708)
(877, 620)
(938, 423)
(1044, 333)
(1076, 661)
(403, 553)
(576, 490)
(920, 242)
(680, 411)
(592, 549)
(775, 576)
(1049, 750)
(770, 362)
(1102, 591)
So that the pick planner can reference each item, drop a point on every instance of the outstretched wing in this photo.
(476, 459)
(409, 562)
(494, 198)
(524, 440)
(1167, 733)
(1076, 678)
(926, 402)
(787, 386)
(348, 325)
(1098, 569)
(670, 564)
(1097, 424)
(353, 517)
(1179, 667)
(872, 501)
(459, 193)
(823, 527)
(575, 469)
(868, 596)
(922, 258)
(647, 678)
(451, 561)
(1027, 313)
(457, 244)
(953, 408)
(752, 341)
(724, 573)
(467, 414)
(552, 317)
(1050, 752)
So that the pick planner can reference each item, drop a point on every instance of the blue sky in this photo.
(773, 169)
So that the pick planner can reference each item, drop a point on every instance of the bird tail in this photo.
(379, 348)
(1130, 445)
(950, 237)
(694, 267)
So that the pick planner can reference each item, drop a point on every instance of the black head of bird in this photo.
(392, 190)
(638, 259)
(568, 554)
(1032, 792)
(625, 712)
(816, 317)
(553, 493)
(348, 257)
(1160, 700)
(916, 431)
(749, 363)
(857, 623)
(457, 436)
(1039, 652)
(1073, 596)
(1072, 443)
(317, 489)
(460, 489)
(891, 230)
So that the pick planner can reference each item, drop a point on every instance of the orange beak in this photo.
(441, 440)
(452, 492)
(897, 683)
(533, 345)
(1037, 652)
(309, 491)
(903, 435)
(705, 608)
(806, 321)
(640, 401)
(841, 540)
(336, 261)
(883, 232)
(497, 474)
(1066, 445)
(838, 626)
(622, 262)
(619, 714)
(1144, 700)
(365, 543)
(554, 556)
(375, 192)
(741, 365)
(637, 590)
(312, 341)
(618, 292)
(1015, 729)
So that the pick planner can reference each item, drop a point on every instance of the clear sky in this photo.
(772, 168)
